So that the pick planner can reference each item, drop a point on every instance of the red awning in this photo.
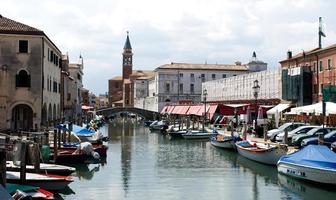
(164, 109)
(202, 110)
(212, 111)
(180, 110)
(193, 110)
(167, 109)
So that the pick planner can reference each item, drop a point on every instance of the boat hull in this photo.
(50, 182)
(227, 144)
(267, 156)
(197, 135)
(307, 173)
(48, 168)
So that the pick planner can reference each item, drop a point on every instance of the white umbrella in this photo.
(260, 113)
(248, 115)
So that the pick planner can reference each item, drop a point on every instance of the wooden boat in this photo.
(198, 135)
(34, 192)
(44, 167)
(263, 153)
(48, 182)
(226, 142)
(314, 163)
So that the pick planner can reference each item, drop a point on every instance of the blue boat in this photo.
(314, 163)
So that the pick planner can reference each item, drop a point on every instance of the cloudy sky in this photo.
(193, 31)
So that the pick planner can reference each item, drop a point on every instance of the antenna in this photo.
(320, 32)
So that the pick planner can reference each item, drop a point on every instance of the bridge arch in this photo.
(147, 114)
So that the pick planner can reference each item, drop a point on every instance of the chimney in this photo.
(238, 63)
(289, 54)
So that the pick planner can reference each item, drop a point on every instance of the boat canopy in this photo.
(82, 131)
(315, 156)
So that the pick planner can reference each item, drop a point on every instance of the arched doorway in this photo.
(22, 117)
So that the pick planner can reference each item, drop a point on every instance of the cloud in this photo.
(195, 31)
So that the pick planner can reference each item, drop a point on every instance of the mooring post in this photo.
(55, 144)
(285, 138)
(265, 133)
(3, 163)
(23, 162)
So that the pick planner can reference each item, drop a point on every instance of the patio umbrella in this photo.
(277, 118)
(260, 113)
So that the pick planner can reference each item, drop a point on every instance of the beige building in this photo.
(30, 77)
(102, 101)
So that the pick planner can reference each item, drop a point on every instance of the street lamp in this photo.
(205, 93)
(256, 89)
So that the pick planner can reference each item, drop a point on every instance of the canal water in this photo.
(143, 165)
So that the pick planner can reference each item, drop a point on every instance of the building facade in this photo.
(30, 77)
(182, 82)
(309, 75)
(238, 89)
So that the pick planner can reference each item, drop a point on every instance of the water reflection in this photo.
(144, 165)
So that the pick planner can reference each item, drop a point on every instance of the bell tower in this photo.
(127, 59)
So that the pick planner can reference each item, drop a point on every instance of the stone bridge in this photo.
(147, 114)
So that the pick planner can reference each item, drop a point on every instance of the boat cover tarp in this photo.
(82, 131)
(316, 156)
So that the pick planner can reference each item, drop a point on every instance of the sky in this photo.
(165, 31)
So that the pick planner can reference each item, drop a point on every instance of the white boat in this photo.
(226, 142)
(263, 153)
(314, 163)
(198, 135)
(48, 182)
(44, 167)
(158, 126)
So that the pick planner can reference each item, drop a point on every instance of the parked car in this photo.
(271, 134)
(328, 139)
(298, 130)
(333, 147)
(297, 139)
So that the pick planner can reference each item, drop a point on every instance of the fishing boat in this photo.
(225, 142)
(44, 167)
(198, 135)
(314, 163)
(158, 126)
(48, 182)
(32, 191)
(260, 152)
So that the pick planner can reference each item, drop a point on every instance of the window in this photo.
(181, 88)
(192, 89)
(55, 86)
(51, 56)
(224, 76)
(42, 82)
(329, 64)
(59, 88)
(314, 67)
(23, 46)
(167, 87)
(321, 65)
(203, 77)
(181, 75)
(23, 79)
(56, 60)
(68, 96)
(79, 76)
(48, 83)
(192, 77)
(116, 85)
(315, 88)
(48, 54)
(234, 75)
(213, 76)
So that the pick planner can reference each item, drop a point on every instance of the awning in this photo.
(235, 105)
(280, 107)
(202, 110)
(180, 110)
(316, 108)
(193, 110)
(212, 111)
(167, 109)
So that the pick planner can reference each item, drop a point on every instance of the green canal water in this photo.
(143, 165)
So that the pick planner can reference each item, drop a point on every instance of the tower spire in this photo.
(127, 43)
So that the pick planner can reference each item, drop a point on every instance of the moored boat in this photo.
(32, 191)
(44, 167)
(263, 153)
(198, 135)
(48, 182)
(314, 163)
(226, 142)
